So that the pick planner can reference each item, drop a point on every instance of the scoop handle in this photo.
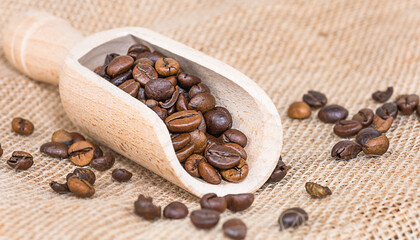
(36, 43)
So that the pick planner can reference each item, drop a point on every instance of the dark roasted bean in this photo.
(161, 112)
(119, 65)
(235, 147)
(135, 49)
(279, 172)
(191, 164)
(235, 229)
(103, 163)
(387, 110)
(172, 80)
(222, 157)
(172, 101)
(180, 140)
(199, 140)
(20, 160)
(407, 103)
(208, 173)
(239, 202)
(121, 175)
(175, 210)
(364, 116)
(213, 202)
(237, 173)
(181, 103)
(76, 137)
(199, 88)
(202, 102)
(218, 120)
(131, 87)
(292, 218)
(367, 134)
(235, 136)
(121, 78)
(83, 173)
(59, 187)
(205, 218)
(315, 99)
(55, 149)
(383, 96)
(299, 110)
(183, 153)
(185, 121)
(144, 208)
(346, 150)
(159, 89)
(332, 113)
(22, 126)
(80, 187)
(154, 56)
(143, 73)
(347, 128)
(187, 81)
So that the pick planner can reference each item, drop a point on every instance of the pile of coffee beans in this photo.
(201, 133)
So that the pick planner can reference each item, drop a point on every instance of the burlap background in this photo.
(346, 49)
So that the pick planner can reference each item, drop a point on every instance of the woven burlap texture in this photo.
(346, 49)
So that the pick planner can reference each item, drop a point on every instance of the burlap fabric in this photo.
(346, 49)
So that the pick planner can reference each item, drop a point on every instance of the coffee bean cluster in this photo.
(205, 218)
(200, 131)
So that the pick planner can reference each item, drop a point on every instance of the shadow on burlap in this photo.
(346, 49)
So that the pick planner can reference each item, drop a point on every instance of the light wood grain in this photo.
(129, 127)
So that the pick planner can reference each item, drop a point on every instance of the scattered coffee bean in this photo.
(191, 164)
(218, 120)
(185, 121)
(20, 160)
(205, 218)
(407, 103)
(383, 96)
(208, 173)
(62, 136)
(213, 202)
(185, 152)
(387, 110)
(382, 125)
(59, 187)
(81, 153)
(332, 113)
(367, 134)
(103, 163)
(346, 150)
(77, 137)
(175, 210)
(316, 190)
(167, 66)
(315, 99)
(299, 110)
(238, 149)
(376, 146)
(236, 174)
(222, 157)
(22, 126)
(187, 81)
(80, 187)
(55, 149)
(119, 65)
(364, 116)
(279, 172)
(235, 136)
(235, 229)
(83, 173)
(347, 128)
(292, 218)
(97, 151)
(144, 208)
(121, 175)
(239, 202)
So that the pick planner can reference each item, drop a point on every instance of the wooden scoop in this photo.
(48, 49)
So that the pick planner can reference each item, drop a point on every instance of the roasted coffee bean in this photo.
(143, 73)
(144, 208)
(77, 137)
(387, 110)
(316, 190)
(97, 151)
(332, 113)
(167, 66)
(205, 218)
(383, 96)
(376, 146)
(213, 202)
(198, 88)
(202, 102)
(141, 95)
(59, 187)
(382, 125)
(208, 173)
(235, 147)
(151, 103)
(187, 81)
(109, 57)
(80, 187)
(62, 136)
(222, 157)
(119, 65)
(181, 103)
(235, 136)
(199, 140)
(22, 126)
(235, 228)
(367, 134)
(159, 89)
(364, 116)
(292, 218)
(83, 173)
(154, 56)
(183, 153)
(407, 103)
(185, 121)
(239, 202)
(315, 99)
(237, 173)
(299, 110)
(144, 61)
(1, 151)
(175, 210)
(172, 80)
(213, 139)
(347, 128)
(136, 49)
(191, 164)
(279, 172)
(171, 102)
(81, 153)
(103, 163)
(218, 120)
(131, 87)
(121, 175)
(161, 112)
(20, 160)
(180, 140)
(55, 149)
(346, 150)
(122, 77)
